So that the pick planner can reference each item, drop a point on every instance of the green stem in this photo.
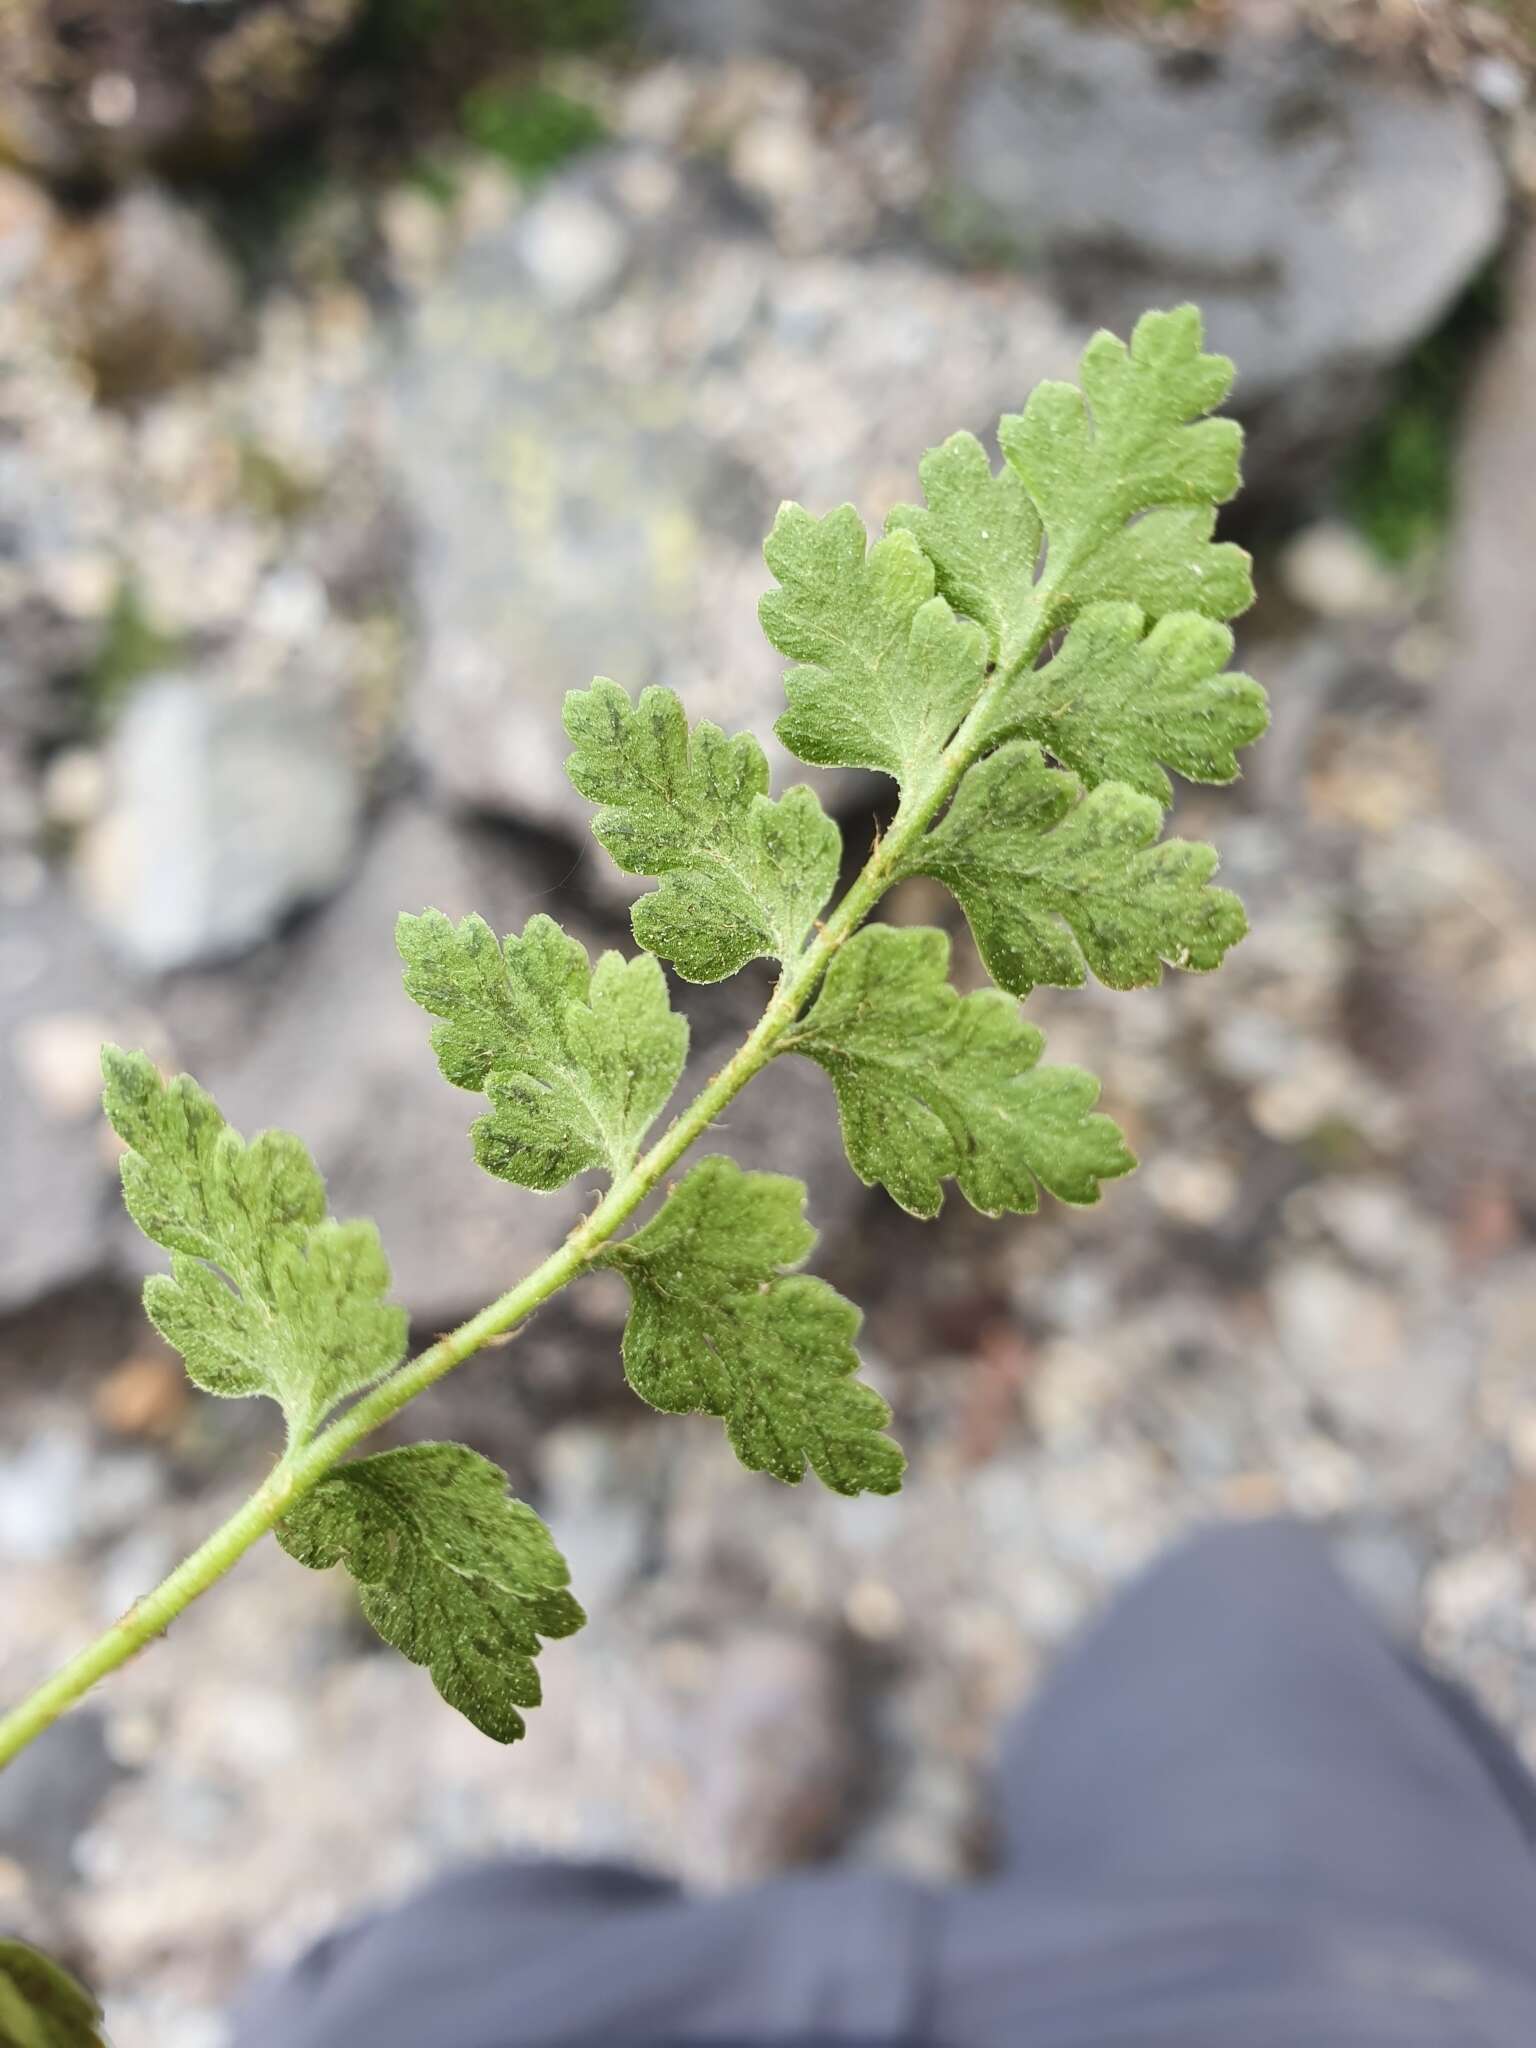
(305, 1465)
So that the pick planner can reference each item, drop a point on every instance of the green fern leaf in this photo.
(1127, 474)
(889, 671)
(453, 1573)
(721, 1324)
(265, 1294)
(1118, 483)
(1119, 704)
(983, 534)
(743, 877)
(1050, 879)
(932, 1085)
(1106, 494)
(577, 1061)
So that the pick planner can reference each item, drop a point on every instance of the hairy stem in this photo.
(305, 1465)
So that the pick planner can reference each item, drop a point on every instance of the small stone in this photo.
(1464, 1593)
(778, 1770)
(74, 787)
(647, 186)
(1342, 1335)
(1498, 83)
(144, 1396)
(590, 1495)
(50, 1792)
(124, 1486)
(1072, 1386)
(82, 584)
(775, 159)
(1323, 1084)
(57, 1198)
(290, 605)
(227, 813)
(657, 103)
(874, 1610)
(144, 293)
(1331, 569)
(1249, 1045)
(1193, 1190)
(1375, 1222)
(488, 196)
(574, 249)
(1320, 1477)
(44, 1487)
(415, 232)
(59, 1056)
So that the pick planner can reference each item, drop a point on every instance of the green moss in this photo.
(531, 127)
(270, 487)
(1397, 485)
(132, 647)
(435, 177)
(972, 231)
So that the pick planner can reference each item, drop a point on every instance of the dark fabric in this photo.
(1234, 1818)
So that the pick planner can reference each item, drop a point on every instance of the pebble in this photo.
(45, 1486)
(574, 249)
(228, 812)
(74, 787)
(58, 1055)
(1332, 570)
(1466, 1592)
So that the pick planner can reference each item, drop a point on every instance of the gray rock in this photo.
(58, 994)
(589, 496)
(142, 292)
(44, 1489)
(780, 1761)
(1323, 214)
(50, 625)
(50, 1793)
(573, 248)
(600, 1489)
(1376, 1373)
(1487, 722)
(227, 812)
(836, 44)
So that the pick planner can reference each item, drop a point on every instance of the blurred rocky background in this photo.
(371, 371)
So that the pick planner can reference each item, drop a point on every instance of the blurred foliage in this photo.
(531, 127)
(1397, 486)
(132, 647)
